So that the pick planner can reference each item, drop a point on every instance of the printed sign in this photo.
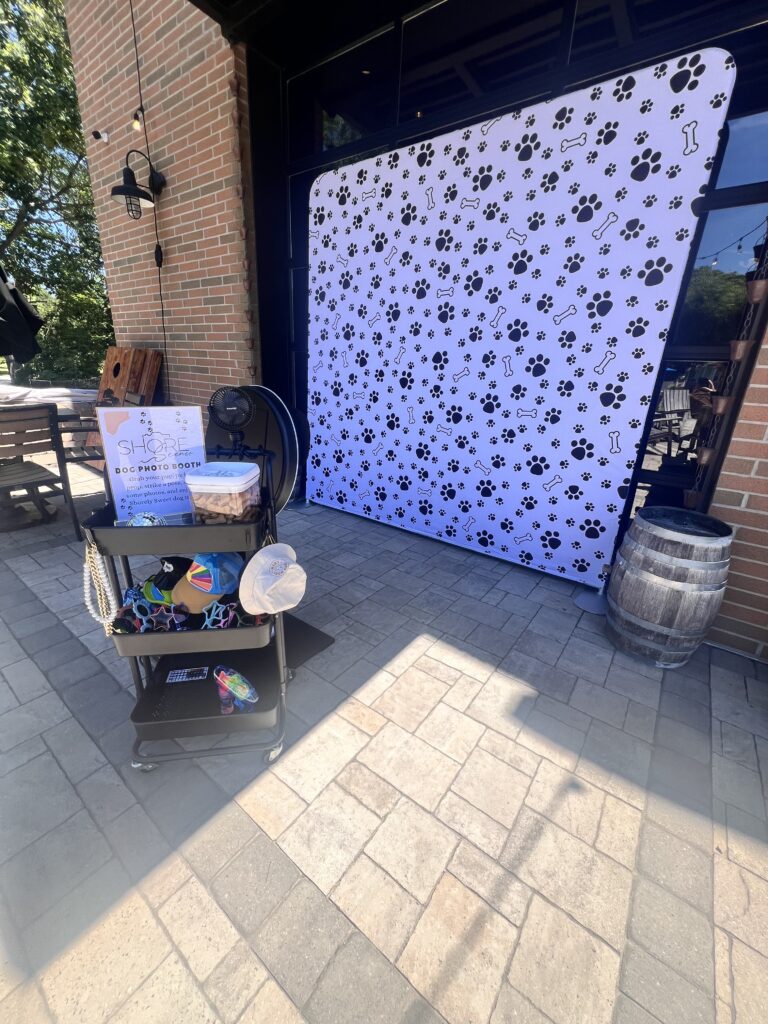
(148, 452)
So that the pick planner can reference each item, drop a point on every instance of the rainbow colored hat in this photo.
(208, 578)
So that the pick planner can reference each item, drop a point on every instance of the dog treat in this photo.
(225, 491)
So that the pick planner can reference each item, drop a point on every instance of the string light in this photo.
(713, 256)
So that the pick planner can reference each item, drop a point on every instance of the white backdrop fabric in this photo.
(488, 310)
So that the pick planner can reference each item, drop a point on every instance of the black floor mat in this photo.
(302, 641)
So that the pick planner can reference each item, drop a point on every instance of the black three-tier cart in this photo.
(172, 711)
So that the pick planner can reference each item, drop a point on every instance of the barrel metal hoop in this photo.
(644, 623)
(659, 649)
(685, 563)
(669, 584)
(662, 531)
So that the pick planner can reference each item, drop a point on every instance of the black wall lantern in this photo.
(136, 197)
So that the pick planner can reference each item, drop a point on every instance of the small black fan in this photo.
(231, 409)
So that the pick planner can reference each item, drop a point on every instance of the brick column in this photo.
(194, 95)
(741, 500)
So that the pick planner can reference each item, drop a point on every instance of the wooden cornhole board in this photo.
(129, 377)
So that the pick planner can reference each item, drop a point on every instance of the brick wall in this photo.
(195, 98)
(742, 501)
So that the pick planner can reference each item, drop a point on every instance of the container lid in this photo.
(224, 477)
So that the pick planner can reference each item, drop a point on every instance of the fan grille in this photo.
(231, 408)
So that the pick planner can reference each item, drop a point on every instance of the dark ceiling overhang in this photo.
(296, 34)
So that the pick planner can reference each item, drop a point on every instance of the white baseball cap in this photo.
(272, 581)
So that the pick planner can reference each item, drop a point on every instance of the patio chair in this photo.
(31, 430)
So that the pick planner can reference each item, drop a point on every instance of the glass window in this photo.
(600, 26)
(453, 53)
(715, 298)
(744, 161)
(345, 99)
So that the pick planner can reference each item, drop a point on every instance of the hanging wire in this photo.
(158, 246)
(713, 256)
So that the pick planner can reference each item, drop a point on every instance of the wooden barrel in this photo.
(667, 583)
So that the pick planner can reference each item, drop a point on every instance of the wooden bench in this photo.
(27, 430)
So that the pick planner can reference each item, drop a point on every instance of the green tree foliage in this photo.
(48, 235)
(714, 304)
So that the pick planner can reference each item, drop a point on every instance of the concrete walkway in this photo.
(485, 813)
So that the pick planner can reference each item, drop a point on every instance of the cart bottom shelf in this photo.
(167, 711)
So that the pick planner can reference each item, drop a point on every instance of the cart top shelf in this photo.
(109, 539)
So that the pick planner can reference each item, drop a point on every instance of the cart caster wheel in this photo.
(272, 755)
(142, 767)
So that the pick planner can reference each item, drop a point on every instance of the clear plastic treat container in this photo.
(225, 491)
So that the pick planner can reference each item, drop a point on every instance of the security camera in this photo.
(100, 136)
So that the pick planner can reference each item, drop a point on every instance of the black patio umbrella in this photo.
(19, 323)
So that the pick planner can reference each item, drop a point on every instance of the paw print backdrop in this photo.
(488, 311)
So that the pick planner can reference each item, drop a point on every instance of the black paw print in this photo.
(393, 312)
(473, 282)
(464, 505)
(718, 100)
(581, 564)
(491, 211)
(393, 421)
(343, 195)
(426, 154)
(563, 117)
(565, 388)
(551, 539)
(607, 134)
(632, 228)
(613, 396)
(406, 380)
(573, 263)
(535, 221)
(460, 156)
(517, 330)
(361, 358)
(420, 288)
(689, 71)
(585, 208)
(654, 271)
(592, 528)
(448, 492)
(440, 360)
(485, 539)
(485, 487)
(582, 449)
(600, 305)
(637, 328)
(493, 295)
(345, 280)
(549, 181)
(444, 240)
(482, 179)
(368, 435)
(537, 365)
(537, 465)
(644, 164)
(454, 414)
(379, 241)
(545, 303)
(527, 146)
(445, 312)
(624, 87)
(520, 261)
(318, 214)
(491, 402)
(407, 213)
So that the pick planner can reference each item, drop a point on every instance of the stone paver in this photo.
(564, 970)
(457, 955)
(413, 847)
(299, 939)
(585, 883)
(507, 820)
(380, 908)
(336, 824)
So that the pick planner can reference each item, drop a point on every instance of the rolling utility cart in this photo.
(171, 711)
